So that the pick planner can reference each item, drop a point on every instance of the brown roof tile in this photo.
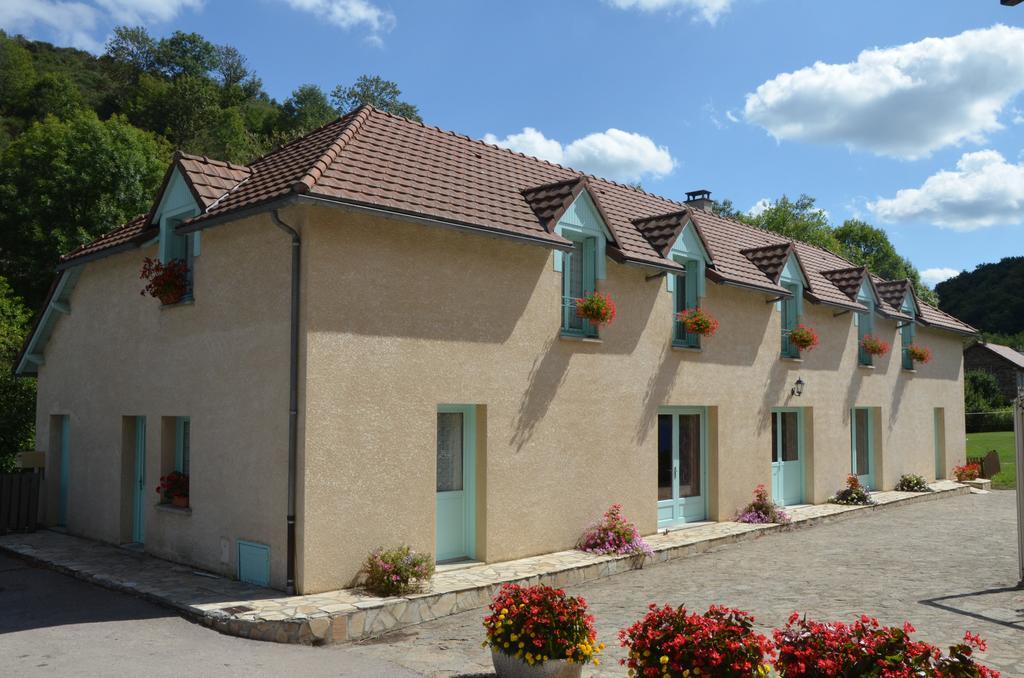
(371, 158)
(848, 280)
(134, 232)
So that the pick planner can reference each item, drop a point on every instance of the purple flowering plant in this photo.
(614, 535)
(397, 571)
(762, 510)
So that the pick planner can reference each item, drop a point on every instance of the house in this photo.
(379, 345)
(1002, 362)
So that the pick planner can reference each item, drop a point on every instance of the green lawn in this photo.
(978, 444)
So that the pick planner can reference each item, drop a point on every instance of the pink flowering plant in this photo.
(762, 510)
(397, 571)
(613, 534)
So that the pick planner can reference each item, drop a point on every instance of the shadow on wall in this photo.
(741, 337)
(659, 386)
(636, 297)
(546, 376)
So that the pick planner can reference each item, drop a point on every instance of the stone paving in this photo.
(350, 614)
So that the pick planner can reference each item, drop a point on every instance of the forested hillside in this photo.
(991, 297)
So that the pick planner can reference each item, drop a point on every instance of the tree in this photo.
(186, 54)
(981, 392)
(867, 245)
(989, 297)
(191, 105)
(132, 51)
(17, 74)
(231, 67)
(17, 395)
(376, 91)
(306, 109)
(800, 219)
(65, 182)
(54, 94)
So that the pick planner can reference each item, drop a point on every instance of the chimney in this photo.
(700, 199)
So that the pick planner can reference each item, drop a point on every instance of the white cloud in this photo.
(140, 12)
(983, 190)
(904, 101)
(614, 154)
(731, 116)
(759, 207)
(933, 276)
(349, 14)
(708, 10)
(72, 23)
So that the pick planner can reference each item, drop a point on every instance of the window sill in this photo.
(865, 367)
(789, 359)
(580, 338)
(909, 370)
(687, 349)
(187, 301)
(169, 508)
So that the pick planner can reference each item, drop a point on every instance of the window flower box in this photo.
(874, 346)
(597, 308)
(166, 282)
(803, 337)
(698, 321)
(173, 489)
(919, 354)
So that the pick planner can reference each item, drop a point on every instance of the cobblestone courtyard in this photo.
(947, 566)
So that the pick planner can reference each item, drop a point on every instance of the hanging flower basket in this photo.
(166, 282)
(919, 354)
(697, 321)
(803, 337)
(874, 346)
(598, 308)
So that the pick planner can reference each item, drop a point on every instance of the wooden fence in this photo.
(19, 502)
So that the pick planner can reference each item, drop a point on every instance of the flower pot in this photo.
(507, 666)
(168, 298)
(179, 502)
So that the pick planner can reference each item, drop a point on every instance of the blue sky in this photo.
(922, 136)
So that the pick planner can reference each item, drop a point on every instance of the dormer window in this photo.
(865, 324)
(907, 334)
(685, 297)
(792, 279)
(579, 279)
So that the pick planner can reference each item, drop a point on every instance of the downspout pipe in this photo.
(293, 396)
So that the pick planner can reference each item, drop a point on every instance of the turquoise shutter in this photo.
(589, 265)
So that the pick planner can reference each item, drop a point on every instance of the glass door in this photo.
(682, 466)
(863, 443)
(138, 498)
(788, 456)
(456, 499)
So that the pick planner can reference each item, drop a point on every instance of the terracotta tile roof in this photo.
(373, 159)
(1005, 352)
(771, 259)
(932, 316)
(893, 292)
(848, 280)
(132, 233)
(211, 179)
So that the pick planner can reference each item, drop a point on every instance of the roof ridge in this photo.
(212, 161)
(308, 180)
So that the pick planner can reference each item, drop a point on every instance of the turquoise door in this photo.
(138, 513)
(456, 474)
(940, 442)
(682, 466)
(863, 447)
(65, 469)
(788, 456)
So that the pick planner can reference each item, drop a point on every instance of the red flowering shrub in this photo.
(967, 472)
(173, 485)
(872, 345)
(919, 354)
(853, 494)
(697, 321)
(763, 510)
(598, 308)
(540, 623)
(811, 649)
(803, 337)
(670, 642)
(167, 282)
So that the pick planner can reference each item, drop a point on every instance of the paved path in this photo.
(903, 563)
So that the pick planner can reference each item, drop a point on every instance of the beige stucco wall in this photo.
(399, 318)
(222, 361)
(402, 317)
